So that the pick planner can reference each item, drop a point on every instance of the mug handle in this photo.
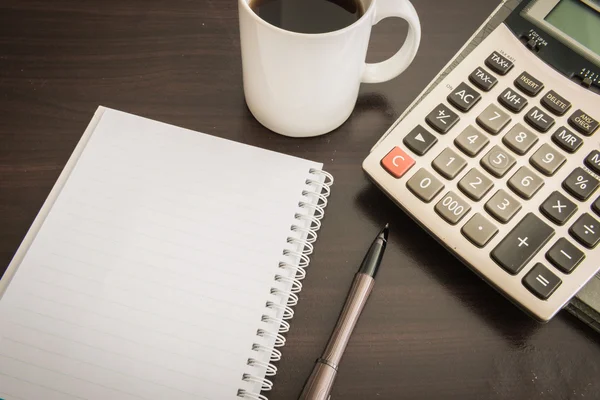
(394, 66)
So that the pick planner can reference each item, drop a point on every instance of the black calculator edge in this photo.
(449, 249)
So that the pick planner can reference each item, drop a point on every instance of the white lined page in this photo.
(149, 275)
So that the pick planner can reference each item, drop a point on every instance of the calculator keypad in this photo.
(504, 176)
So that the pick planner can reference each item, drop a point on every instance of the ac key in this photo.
(464, 97)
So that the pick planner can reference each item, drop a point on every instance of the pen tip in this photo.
(384, 232)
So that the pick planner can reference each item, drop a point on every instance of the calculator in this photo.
(499, 158)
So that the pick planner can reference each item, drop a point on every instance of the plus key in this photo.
(522, 243)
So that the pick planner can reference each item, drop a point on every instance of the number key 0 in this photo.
(424, 185)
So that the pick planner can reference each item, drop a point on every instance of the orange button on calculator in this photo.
(397, 162)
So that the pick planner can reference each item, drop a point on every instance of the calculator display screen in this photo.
(579, 20)
(576, 23)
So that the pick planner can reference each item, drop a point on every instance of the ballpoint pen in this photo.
(319, 383)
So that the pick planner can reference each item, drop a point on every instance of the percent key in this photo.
(580, 184)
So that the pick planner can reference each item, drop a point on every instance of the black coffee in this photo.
(309, 16)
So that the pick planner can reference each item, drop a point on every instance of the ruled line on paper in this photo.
(189, 377)
(166, 319)
(146, 265)
(132, 260)
(29, 382)
(111, 352)
(97, 366)
(196, 248)
(70, 376)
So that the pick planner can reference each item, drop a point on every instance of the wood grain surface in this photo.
(431, 330)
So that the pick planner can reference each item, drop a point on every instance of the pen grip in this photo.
(319, 383)
(355, 302)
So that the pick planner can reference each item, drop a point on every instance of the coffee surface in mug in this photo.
(309, 16)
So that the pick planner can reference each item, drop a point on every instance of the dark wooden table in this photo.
(432, 329)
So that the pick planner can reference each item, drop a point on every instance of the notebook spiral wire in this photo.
(308, 218)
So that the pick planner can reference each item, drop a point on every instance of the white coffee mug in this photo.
(305, 85)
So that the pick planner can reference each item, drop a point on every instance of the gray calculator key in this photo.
(419, 140)
(525, 183)
(539, 119)
(580, 184)
(449, 164)
(424, 185)
(520, 139)
(541, 281)
(565, 256)
(547, 160)
(442, 118)
(558, 208)
(475, 184)
(464, 97)
(528, 84)
(586, 230)
(471, 141)
(479, 230)
(499, 63)
(502, 206)
(593, 161)
(497, 161)
(483, 79)
(493, 119)
(554, 102)
(512, 100)
(567, 140)
(452, 208)
(583, 122)
(522, 243)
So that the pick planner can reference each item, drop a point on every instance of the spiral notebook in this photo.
(164, 265)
